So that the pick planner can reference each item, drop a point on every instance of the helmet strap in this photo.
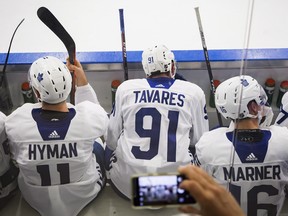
(173, 69)
(37, 94)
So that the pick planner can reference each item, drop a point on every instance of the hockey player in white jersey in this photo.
(8, 171)
(52, 141)
(154, 121)
(251, 162)
(282, 118)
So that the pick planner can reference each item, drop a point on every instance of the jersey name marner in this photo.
(46, 151)
(252, 173)
(156, 96)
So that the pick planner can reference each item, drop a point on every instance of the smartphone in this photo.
(153, 190)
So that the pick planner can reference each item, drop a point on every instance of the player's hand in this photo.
(212, 198)
(79, 73)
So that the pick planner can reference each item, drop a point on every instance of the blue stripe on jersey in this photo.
(53, 130)
(284, 117)
(251, 152)
(161, 82)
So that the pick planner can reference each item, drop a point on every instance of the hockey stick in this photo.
(212, 87)
(6, 103)
(124, 53)
(55, 26)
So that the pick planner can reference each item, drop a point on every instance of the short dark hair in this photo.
(156, 73)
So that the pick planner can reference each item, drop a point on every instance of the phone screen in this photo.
(159, 190)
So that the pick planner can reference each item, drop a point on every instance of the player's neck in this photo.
(167, 75)
(60, 107)
(247, 124)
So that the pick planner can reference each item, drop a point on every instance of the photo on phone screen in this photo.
(159, 190)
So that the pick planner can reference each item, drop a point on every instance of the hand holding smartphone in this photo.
(154, 190)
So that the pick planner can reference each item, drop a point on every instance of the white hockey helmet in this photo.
(51, 78)
(233, 95)
(158, 59)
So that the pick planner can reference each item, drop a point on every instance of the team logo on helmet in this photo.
(244, 82)
(223, 110)
(40, 77)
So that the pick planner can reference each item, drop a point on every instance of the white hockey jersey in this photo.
(152, 125)
(7, 184)
(282, 118)
(255, 170)
(59, 174)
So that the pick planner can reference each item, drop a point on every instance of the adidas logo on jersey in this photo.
(251, 157)
(160, 86)
(54, 135)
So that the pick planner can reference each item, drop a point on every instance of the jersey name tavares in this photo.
(156, 96)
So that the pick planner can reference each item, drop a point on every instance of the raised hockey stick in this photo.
(52, 22)
(124, 53)
(6, 103)
(212, 87)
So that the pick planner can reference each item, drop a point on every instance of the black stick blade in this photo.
(52, 22)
